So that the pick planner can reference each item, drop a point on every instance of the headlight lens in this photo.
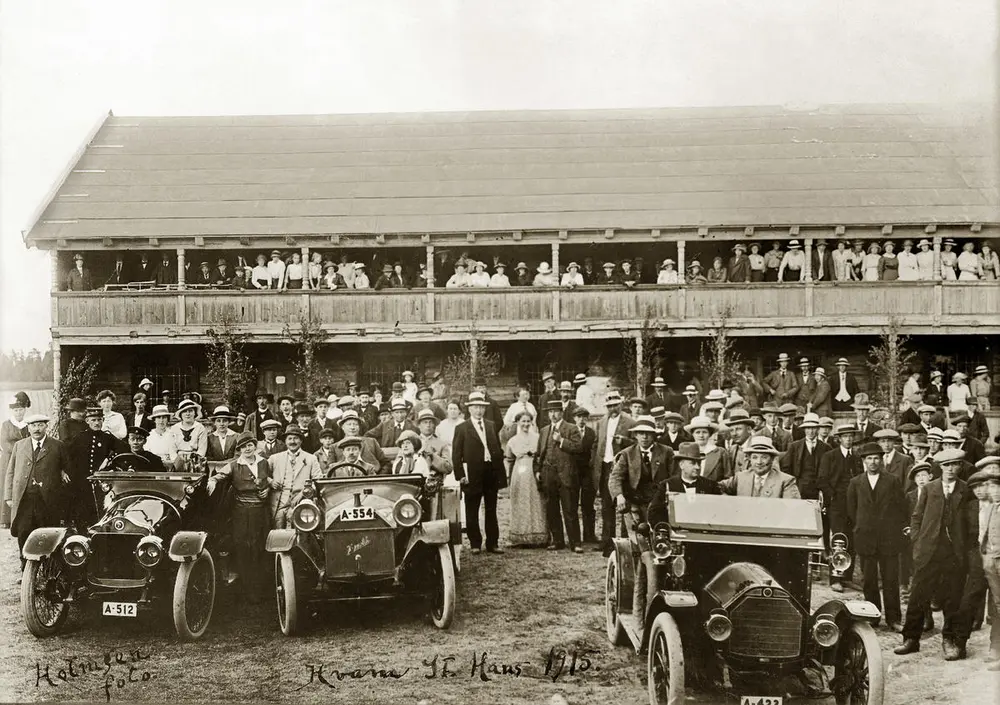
(76, 550)
(840, 561)
(719, 627)
(149, 552)
(678, 567)
(105, 487)
(825, 632)
(189, 489)
(306, 516)
(406, 511)
(309, 491)
(661, 544)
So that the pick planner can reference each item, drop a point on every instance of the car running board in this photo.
(633, 628)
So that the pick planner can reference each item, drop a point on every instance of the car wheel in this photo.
(614, 626)
(284, 586)
(43, 590)
(194, 597)
(456, 552)
(859, 675)
(443, 595)
(665, 662)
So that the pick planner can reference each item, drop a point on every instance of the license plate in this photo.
(120, 609)
(357, 514)
(761, 700)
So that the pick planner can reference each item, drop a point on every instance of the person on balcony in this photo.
(989, 263)
(522, 276)
(668, 275)
(385, 279)
(79, 277)
(480, 277)
(822, 263)
(958, 393)
(118, 274)
(545, 276)
(738, 270)
(889, 270)
(716, 273)
(203, 278)
(332, 280)
(608, 277)
(909, 269)
(459, 279)
(871, 266)
(276, 270)
(925, 261)
(572, 278)
(144, 271)
(949, 260)
(772, 262)
(499, 279)
(260, 278)
(695, 277)
(315, 269)
(793, 264)
(360, 278)
(629, 276)
(756, 262)
(294, 273)
(969, 267)
(589, 273)
(843, 271)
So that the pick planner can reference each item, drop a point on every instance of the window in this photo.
(178, 379)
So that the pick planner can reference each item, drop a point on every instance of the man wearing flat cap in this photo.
(972, 447)
(37, 478)
(289, 471)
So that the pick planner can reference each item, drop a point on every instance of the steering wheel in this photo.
(130, 462)
(359, 470)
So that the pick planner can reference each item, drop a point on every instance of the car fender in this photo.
(43, 542)
(186, 546)
(432, 533)
(844, 613)
(625, 562)
(666, 601)
(279, 540)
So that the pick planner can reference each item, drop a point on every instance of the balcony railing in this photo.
(758, 306)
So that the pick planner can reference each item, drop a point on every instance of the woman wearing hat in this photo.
(221, 442)
(695, 276)
(871, 265)
(668, 275)
(717, 464)
(545, 276)
(949, 260)
(332, 279)
(459, 279)
(738, 269)
(407, 462)
(361, 280)
(793, 264)
(160, 441)
(13, 429)
(958, 394)
(190, 435)
(925, 261)
(479, 276)
(572, 278)
(980, 387)
(843, 271)
(522, 275)
(499, 279)
(909, 271)
(890, 264)
(249, 477)
(989, 263)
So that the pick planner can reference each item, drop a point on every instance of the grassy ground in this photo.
(513, 608)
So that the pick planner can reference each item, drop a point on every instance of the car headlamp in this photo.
(406, 511)
(149, 551)
(719, 627)
(105, 487)
(189, 489)
(678, 567)
(309, 490)
(825, 632)
(840, 561)
(661, 544)
(306, 515)
(76, 551)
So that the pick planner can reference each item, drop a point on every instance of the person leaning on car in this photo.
(289, 471)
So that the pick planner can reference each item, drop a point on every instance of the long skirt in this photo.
(771, 274)
(757, 275)
(528, 526)
(791, 275)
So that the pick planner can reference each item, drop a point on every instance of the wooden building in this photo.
(521, 186)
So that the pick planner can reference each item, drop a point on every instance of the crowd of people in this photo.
(918, 501)
(748, 263)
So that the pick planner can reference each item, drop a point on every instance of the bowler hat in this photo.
(302, 408)
(869, 449)
(294, 430)
(267, 396)
(76, 404)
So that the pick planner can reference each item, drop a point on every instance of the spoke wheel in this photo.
(194, 597)
(43, 589)
(284, 588)
(859, 675)
(665, 662)
(613, 625)
(443, 589)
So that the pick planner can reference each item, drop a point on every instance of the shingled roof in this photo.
(555, 170)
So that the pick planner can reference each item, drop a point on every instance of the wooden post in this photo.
(681, 266)
(56, 373)
(639, 371)
(305, 268)
(53, 301)
(555, 260)
(473, 357)
(181, 279)
(430, 266)
(807, 275)
(937, 258)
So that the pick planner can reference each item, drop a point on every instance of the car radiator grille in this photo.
(766, 627)
(113, 557)
(371, 550)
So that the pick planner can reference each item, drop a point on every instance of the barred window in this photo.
(177, 379)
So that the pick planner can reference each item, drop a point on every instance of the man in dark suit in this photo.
(270, 444)
(894, 462)
(144, 270)
(612, 436)
(639, 468)
(876, 508)
(549, 392)
(119, 275)
(978, 428)
(477, 460)
(139, 416)
(689, 408)
(320, 423)
(79, 278)
(772, 427)
(939, 533)
(687, 479)
(935, 394)
(862, 418)
(492, 413)
(674, 434)
(659, 396)
(972, 447)
(388, 432)
(843, 387)
(820, 403)
(166, 272)
(37, 476)
(977, 515)
(262, 413)
(566, 398)
(807, 384)
(836, 470)
(781, 386)
(87, 453)
(585, 488)
(803, 458)
(556, 461)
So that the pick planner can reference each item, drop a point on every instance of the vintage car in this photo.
(374, 537)
(732, 606)
(151, 545)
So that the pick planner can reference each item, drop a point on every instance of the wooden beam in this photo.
(887, 230)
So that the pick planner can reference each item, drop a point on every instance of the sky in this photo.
(65, 63)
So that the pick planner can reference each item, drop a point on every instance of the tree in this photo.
(638, 375)
(311, 376)
(473, 360)
(718, 359)
(890, 363)
(229, 366)
(76, 382)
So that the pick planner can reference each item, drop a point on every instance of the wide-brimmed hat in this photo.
(521, 265)
(715, 395)
(701, 422)
(658, 382)
(222, 412)
(734, 400)
(981, 370)
(794, 245)
(803, 362)
(158, 411)
(861, 401)
(544, 268)
(819, 371)
(924, 242)
(349, 415)
(694, 264)
(936, 373)
(949, 455)
(477, 399)
(688, 451)
(243, 439)
(739, 246)
(959, 375)
(761, 444)
(666, 262)
(572, 265)
(886, 433)
(76, 404)
(187, 405)
(410, 436)
(425, 414)
(874, 247)
(783, 357)
(613, 398)
(644, 424)
(810, 421)
(398, 405)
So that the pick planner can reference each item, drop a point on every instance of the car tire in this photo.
(859, 662)
(665, 662)
(285, 591)
(456, 552)
(36, 572)
(443, 595)
(194, 597)
(613, 624)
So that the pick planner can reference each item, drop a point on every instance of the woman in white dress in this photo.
(908, 269)
(669, 275)
(190, 436)
(871, 266)
(528, 527)
(479, 277)
(360, 278)
(114, 423)
(958, 394)
(925, 261)
(499, 279)
(949, 260)
(842, 261)
(969, 268)
(453, 417)
(521, 406)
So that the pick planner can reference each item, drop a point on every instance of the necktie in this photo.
(482, 436)
(758, 484)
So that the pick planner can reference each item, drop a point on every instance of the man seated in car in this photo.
(350, 450)
(762, 478)
(136, 446)
(639, 468)
(688, 481)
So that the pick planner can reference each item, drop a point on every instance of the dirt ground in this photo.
(512, 611)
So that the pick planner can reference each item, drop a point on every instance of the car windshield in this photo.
(745, 515)
(142, 510)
